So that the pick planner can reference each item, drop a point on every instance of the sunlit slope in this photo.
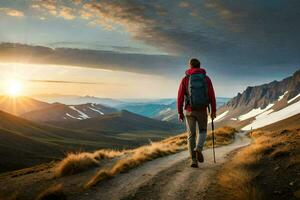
(20, 105)
(24, 143)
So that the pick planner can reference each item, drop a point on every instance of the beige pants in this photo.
(192, 119)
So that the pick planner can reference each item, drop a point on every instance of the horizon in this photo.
(4, 91)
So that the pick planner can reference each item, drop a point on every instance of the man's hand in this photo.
(213, 115)
(180, 118)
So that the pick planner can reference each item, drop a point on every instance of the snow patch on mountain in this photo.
(254, 112)
(72, 116)
(165, 111)
(221, 116)
(281, 97)
(168, 117)
(98, 111)
(82, 114)
(292, 99)
(273, 117)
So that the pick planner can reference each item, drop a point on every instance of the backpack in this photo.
(197, 91)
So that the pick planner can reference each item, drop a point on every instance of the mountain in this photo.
(149, 109)
(77, 100)
(62, 112)
(24, 143)
(123, 121)
(169, 113)
(261, 105)
(20, 105)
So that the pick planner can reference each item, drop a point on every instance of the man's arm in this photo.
(180, 99)
(212, 97)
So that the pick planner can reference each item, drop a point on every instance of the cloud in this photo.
(238, 35)
(12, 12)
(231, 37)
(66, 13)
(55, 8)
(96, 45)
(65, 82)
(49, 6)
(163, 65)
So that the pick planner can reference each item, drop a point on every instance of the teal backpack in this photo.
(197, 91)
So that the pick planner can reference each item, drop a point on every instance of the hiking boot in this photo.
(199, 156)
(194, 164)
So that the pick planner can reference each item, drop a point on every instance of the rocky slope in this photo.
(277, 99)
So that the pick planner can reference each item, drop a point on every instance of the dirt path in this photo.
(165, 178)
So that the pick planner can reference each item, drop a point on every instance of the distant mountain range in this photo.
(32, 131)
(169, 113)
(264, 104)
(123, 121)
(161, 109)
(62, 112)
(24, 143)
(76, 100)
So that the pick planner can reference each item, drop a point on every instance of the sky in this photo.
(140, 48)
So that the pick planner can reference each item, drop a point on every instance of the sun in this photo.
(14, 88)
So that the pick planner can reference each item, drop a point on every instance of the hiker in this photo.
(197, 95)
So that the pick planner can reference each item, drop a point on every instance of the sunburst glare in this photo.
(14, 87)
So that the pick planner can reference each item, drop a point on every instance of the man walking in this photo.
(196, 94)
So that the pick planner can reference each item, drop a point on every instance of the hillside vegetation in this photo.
(24, 143)
(264, 170)
(78, 171)
(75, 163)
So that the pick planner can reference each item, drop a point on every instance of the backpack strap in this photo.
(187, 92)
(187, 86)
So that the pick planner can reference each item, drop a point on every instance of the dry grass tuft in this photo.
(237, 178)
(154, 150)
(53, 193)
(79, 162)
(223, 136)
(139, 156)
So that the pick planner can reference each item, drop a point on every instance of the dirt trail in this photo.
(165, 178)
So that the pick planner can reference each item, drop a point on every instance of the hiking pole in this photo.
(213, 138)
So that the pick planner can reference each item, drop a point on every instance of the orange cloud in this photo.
(46, 5)
(54, 8)
(12, 12)
(66, 13)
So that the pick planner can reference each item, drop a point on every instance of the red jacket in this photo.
(183, 88)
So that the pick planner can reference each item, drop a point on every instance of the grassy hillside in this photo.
(77, 171)
(267, 169)
(24, 143)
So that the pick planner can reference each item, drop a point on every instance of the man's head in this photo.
(195, 63)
